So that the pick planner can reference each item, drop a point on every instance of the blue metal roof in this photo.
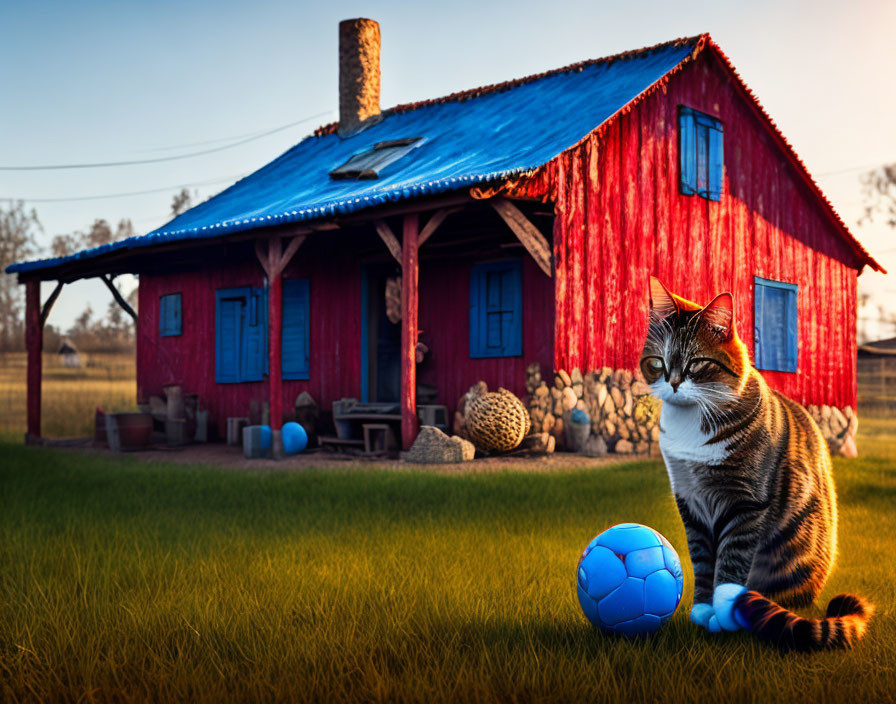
(495, 135)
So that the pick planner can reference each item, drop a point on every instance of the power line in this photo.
(134, 162)
(204, 142)
(852, 169)
(122, 195)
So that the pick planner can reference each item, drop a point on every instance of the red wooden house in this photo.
(523, 220)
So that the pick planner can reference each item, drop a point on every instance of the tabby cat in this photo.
(751, 474)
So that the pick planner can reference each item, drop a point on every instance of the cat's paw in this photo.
(723, 599)
(704, 616)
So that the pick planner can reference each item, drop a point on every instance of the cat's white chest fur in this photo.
(682, 438)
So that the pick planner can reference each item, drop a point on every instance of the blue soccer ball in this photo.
(295, 439)
(629, 580)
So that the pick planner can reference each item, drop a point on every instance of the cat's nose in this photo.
(675, 381)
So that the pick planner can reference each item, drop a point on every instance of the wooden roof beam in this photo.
(389, 238)
(530, 236)
(433, 223)
(48, 306)
(275, 258)
(117, 296)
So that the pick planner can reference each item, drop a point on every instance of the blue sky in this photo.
(109, 81)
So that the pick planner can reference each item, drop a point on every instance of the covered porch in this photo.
(428, 244)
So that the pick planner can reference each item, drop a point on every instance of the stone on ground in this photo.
(432, 446)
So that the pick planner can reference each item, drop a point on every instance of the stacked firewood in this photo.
(617, 402)
(838, 427)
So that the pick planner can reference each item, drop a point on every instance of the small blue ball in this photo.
(267, 437)
(629, 580)
(295, 439)
(579, 416)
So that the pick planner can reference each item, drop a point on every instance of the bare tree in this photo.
(124, 230)
(182, 202)
(82, 323)
(100, 233)
(63, 245)
(18, 228)
(864, 298)
(879, 191)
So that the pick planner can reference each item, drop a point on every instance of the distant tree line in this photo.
(19, 228)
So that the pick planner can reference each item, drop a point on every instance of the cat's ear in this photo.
(719, 315)
(662, 304)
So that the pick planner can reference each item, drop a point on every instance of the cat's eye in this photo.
(653, 366)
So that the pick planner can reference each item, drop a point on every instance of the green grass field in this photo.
(127, 581)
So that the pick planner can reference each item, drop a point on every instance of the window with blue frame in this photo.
(775, 333)
(241, 333)
(170, 324)
(701, 154)
(496, 309)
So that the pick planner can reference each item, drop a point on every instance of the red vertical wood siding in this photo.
(335, 329)
(620, 218)
(189, 359)
(444, 321)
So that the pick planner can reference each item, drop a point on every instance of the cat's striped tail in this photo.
(844, 623)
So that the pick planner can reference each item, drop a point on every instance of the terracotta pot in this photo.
(134, 430)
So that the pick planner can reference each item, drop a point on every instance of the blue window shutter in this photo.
(163, 316)
(702, 139)
(476, 338)
(254, 335)
(170, 315)
(701, 154)
(228, 336)
(295, 350)
(716, 162)
(776, 340)
(263, 312)
(687, 150)
(758, 312)
(494, 313)
(496, 309)
(176, 315)
(792, 350)
(512, 310)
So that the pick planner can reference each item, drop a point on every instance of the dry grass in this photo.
(70, 396)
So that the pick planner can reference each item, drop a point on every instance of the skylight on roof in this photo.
(369, 163)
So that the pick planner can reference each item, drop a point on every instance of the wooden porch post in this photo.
(275, 321)
(274, 261)
(34, 342)
(409, 330)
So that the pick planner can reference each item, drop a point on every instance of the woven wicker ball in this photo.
(496, 421)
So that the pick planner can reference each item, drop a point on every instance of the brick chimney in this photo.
(359, 75)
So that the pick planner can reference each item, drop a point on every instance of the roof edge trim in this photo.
(470, 93)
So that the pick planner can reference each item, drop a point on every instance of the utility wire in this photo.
(122, 195)
(134, 162)
(231, 138)
(851, 169)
